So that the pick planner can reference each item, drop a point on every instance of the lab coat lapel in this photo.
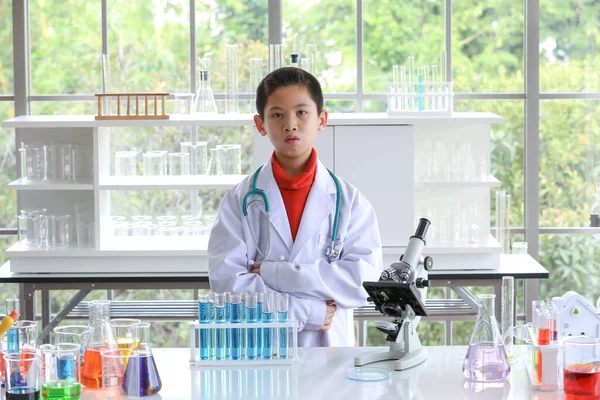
(319, 205)
(279, 220)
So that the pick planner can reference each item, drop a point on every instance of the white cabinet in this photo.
(372, 151)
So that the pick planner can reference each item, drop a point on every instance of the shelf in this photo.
(88, 121)
(489, 182)
(489, 246)
(163, 246)
(169, 182)
(21, 184)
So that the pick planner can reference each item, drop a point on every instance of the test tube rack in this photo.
(194, 334)
(544, 363)
(152, 106)
(432, 99)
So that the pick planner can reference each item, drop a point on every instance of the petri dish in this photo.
(368, 374)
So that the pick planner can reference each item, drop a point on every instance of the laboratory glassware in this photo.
(283, 304)
(101, 338)
(251, 333)
(500, 219)
(235, 317)
(443, 79)
(198, 158)
(227, 320)
(220, 333)
(184, 103)
(486, 359)
(154, 163)
(214, 162)
(295, 60)
(76, 334)
(113, 373)
(125, 163)
(22, 376)
(204, 101)
(59, 162)
(256, 76)
(508, 312)
(231, 158)
(20, 338)
(519, 248)
(124, 334)
(33, 227)
(269, 308)
(581, 367)
(33, 162)
(59, 228)
(60, 371)
(275, 57)
(179, 163)
(231, 79)
(205, 317)
(166, 219)
(311, 54)
(148, 380)
(142, 218)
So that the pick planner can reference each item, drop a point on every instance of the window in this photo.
(6, 44)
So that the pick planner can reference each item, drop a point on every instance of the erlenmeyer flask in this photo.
(204, 101)
(141, 373)
(101, 338)
(486, 359)
(214, 162)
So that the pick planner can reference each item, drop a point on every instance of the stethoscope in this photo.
(332, 251)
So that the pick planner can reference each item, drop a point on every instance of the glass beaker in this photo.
(76, 334)
(486, 359)
(23, 376)
(123, 330)
(231, 158)
(519, 248)
(179, 164)
(33, 227)
(205, 100)
(198, 156)
(59, 162)
(154, 163)
(148, 380)
(256, 76)
(214, 162)
(59, 230)
(60, 371)
(33, 162)
(101, 338)
(581, 367)
(113, 375)
(125, 163)
(21, 337)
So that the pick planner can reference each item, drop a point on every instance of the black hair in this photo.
(287, 76)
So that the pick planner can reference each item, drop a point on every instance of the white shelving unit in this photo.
(357, 147)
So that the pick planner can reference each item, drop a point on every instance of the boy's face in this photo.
(291, 121)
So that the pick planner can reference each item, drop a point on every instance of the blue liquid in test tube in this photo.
(259, 331)
(235, 312)
(12, 338)
(282, 316)
(66, 368)
(420, 91)
(251, 334)
(220, 341)
(267, 345)
(204, 317)
(228, 319)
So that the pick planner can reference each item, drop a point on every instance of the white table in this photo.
(320, 373)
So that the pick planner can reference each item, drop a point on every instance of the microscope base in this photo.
(408, 352)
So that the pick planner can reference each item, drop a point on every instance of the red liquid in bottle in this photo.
(582, 382)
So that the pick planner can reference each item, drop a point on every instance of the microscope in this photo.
(400, 294)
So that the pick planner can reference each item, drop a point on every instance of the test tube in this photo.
(435, 82)
(426, 88)
(267, 316)
(543, 340)
(227, 319)
(235, 313)
(311, 53)
(260, 300)
(256, 76)
(283, 301)
(555, 322)
(220, 318)
(402, 103)
(420, 88)
(508, 293)
(204, 317)
(443, 80)
(251, 318)
(396, 88)
(411, 79)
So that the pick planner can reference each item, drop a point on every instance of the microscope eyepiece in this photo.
(422, 228)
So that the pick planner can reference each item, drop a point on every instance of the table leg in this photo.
(27, 301)
(46, 310)
(68, 307)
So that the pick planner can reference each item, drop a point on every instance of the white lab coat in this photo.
(305, 273)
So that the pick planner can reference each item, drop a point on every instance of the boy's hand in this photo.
(255, 269)
(331, 307)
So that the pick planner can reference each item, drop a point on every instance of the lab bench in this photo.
(465, 307)
(320, 373)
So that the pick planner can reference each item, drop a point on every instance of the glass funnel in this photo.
(101, 338)
(486, 359)
(141, 372)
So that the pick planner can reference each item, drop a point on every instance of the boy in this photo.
(292, 251)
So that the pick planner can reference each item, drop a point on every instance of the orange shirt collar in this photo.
(303, 180)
